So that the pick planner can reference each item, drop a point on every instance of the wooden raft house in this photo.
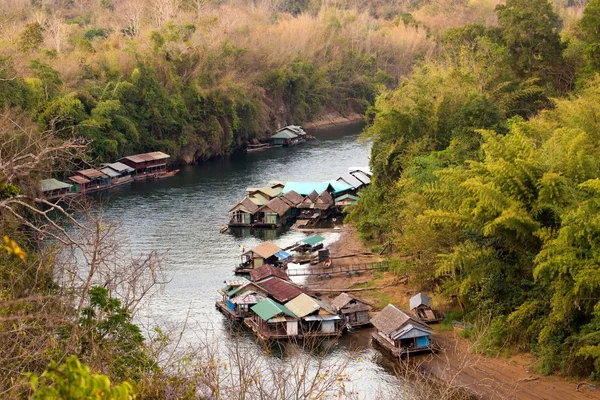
(238, 295)
(118, 172)
(89, 180)
(147, 165)
(271, 320)
(353, 310)
(53, 189)
(400, 333)
(316, 318)
(420, 304)
(265, 253)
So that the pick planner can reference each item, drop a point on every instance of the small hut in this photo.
(238, 295)
(346, 200)
(317, 319)
(354, 311)
(119, 173)
(420, 304)
(401, 333)
(265, 253)
(90, 180)
(242, 214)
(274, 213)
(270, 320)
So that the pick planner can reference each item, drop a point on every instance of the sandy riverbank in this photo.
(487, 377)
(330, 119)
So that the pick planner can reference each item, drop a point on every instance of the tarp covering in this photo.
(283, 255)
(311, 241)
(322, 318)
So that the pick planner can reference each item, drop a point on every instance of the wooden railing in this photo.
(350, 269)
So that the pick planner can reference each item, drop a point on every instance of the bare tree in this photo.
(133, 13)
(163, 11)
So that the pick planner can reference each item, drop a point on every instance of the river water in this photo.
(182, 216)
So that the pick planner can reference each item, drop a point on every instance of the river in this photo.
(182, 216)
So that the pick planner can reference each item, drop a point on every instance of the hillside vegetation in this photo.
(486, 170)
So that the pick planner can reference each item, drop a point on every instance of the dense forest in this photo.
(483, 118)
(486, 172)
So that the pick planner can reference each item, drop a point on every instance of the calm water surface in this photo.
(182, 216)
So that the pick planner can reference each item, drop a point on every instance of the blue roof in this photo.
(305, 188)
(282, 255)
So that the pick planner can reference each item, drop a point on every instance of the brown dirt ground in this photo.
(488, 377)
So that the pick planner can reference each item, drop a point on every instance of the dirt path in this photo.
(487, 377)
(498, 378)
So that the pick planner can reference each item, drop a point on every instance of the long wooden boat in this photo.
(165, 175)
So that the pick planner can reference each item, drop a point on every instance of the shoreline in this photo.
(332, 119)
(456, 363)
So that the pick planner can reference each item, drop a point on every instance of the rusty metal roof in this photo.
(145, 157)
(277, 205)
(92, 173)
(279, 289)
(79, 179)
(266, 271)
(246, 205)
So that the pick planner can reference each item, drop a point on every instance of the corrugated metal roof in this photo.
(350, 180)
(266, 271)
(110, 172)
(79, 179)
(312, 240)
(53, 184)
(145, 157)
(284, 134)
(119, 167)
(419, 299)
(269, 308)
(294, 128)
(249, 298)
(303, 305)
(269, 191)
(266, 250)
(305, 188)
(258, 198)
(283, 255)
(280, 289)
(347, 196)
(91, 173)
(410, 331)
(361, 176)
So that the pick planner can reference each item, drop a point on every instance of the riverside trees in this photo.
(497, 209)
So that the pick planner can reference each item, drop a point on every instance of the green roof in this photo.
(313, 240)
(286, 134)
(268, 309)
(53, 184)
(347, 196)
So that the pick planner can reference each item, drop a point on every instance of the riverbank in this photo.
(456, 363)
(334, 118)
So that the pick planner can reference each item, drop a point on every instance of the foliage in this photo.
(496, 201)
(73, 380)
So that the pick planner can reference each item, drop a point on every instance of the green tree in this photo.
(32, 37)
(590, 32)
(531, 32)
(73, 380)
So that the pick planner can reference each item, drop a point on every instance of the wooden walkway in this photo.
(352, 269)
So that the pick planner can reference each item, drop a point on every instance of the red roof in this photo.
(267, 271)
(78, 179)
(280, 290)
(92, 173)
